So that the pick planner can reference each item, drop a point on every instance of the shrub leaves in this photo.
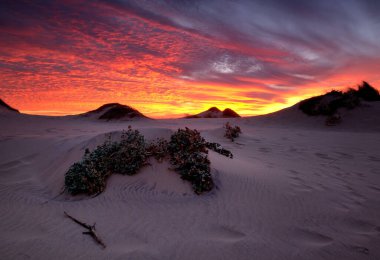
(187, 151)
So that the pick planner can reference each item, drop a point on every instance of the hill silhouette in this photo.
(215, 112)
(8, 107)
(329, 103)
(114, 111)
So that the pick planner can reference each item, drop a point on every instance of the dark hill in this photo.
(230, 113)
(329, 103)
(114, 111)
(215, 112)
(8, 107)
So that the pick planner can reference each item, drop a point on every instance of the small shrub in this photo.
(231, 132)
(89, 176)
(125, 157)
(367, 92)
(322, 105)
(130, 155)
(329, 103)
(158, 149)
(351, 99)
(187, 151)
(187, 140)
(195, 168)
(219, 149)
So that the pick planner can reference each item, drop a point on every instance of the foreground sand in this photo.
(291, 192)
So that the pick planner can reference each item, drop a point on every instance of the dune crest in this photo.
(7, 108)
(114, 111)
(215, 112)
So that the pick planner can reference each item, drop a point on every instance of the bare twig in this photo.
(91, 229)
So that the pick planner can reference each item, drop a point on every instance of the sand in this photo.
(294, 190)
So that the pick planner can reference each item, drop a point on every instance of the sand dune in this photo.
(215, 112)
(4, 107)
(363, 118)
(295, 189)
(113, 111)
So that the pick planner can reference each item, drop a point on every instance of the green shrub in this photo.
(187, 151)
(130, 154)
(367, 92)
(322, 105)
(158, 149)
(231, 132)
(329, 103)
(351, 99)
(195, 167)
(186, 140)
(219, 149)
(89, 176)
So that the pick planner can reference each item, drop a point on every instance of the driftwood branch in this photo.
(91, 229)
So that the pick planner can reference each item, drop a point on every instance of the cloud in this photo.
(143, 52)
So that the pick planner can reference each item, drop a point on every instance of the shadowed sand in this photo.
(295, 189)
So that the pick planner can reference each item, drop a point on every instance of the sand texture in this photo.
(295, 189)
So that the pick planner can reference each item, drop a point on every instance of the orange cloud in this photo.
(169, 61)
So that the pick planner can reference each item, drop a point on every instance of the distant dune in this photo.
(5, 107)
(215, 112)
(114, 111)
(365, 117)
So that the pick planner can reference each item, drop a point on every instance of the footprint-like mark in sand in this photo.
(226, 234)
(256, 140)
(378, 229)
(374, 158)
(11, 164)
(293, 150)
(345, 155)
(324, 156)
(265, 150)
(20, 162)
(355, 197)
(298, 183)
(359, 249)
(362, 227)
(313, 238)
(359, 226)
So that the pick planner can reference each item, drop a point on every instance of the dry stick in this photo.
(91, 230)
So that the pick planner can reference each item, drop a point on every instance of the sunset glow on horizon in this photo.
(168, 59)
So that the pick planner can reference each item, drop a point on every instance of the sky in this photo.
(170, 58)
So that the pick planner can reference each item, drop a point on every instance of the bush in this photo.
(187, 151)
(350, 99)
(232, 132)
(158, 149)
(367, 92)
(89, 176)
(186, 140)
(130, 155)
(125, 157)
(219, 149)
(322, 105)
(329, 103)
(195, 167)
